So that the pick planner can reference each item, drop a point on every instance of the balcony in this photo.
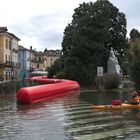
(9, 64)
(36, 60)
(15, 50)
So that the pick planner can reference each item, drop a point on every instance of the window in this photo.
(7, 43)
(6, 57)
(9, 58)
(39, 58)
(10, 45)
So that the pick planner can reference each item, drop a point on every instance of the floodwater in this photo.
(68, 118)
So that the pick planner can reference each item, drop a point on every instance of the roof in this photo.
(4, 30)
(13, 36)
(20, 47)
(53, 53)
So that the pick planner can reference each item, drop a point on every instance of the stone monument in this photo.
(112, 63)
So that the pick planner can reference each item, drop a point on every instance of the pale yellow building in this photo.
(9, 66)
(43, 60)
(40, 61)
(50, 57)
(32, 59)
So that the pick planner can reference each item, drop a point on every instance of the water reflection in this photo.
(68, 118)
(105, 97)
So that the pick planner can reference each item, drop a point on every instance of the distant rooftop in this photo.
(20, 47)
(53, 52)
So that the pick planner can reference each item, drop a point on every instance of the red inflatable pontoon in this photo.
(52, 88)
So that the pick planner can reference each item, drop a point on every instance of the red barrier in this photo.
(39, 93)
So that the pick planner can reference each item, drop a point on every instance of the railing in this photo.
(36, 60)
(15, 50)
(10, 64)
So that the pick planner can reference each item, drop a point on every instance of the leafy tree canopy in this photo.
(98, 22)
(95, 28)
(132, 61)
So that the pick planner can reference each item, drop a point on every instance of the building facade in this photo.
(9, 66)
(24, 60)
(43, 60)
(50, 57)
(31, 60)
(17, 62)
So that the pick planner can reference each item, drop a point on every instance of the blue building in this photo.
(24, 60)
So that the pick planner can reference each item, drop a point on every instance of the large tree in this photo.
(134, 62)
(95, 28)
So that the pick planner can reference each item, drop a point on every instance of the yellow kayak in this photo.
(113, 107)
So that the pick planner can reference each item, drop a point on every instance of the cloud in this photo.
(50, 29)
(38, 23)
(41, 23)
(42, 30)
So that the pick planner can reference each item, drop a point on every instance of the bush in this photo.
(108, 81)
(111, 81)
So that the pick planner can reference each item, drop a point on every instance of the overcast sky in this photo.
(41, 23)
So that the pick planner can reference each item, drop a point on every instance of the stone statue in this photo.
(112, 63)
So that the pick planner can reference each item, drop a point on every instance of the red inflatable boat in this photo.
(51, 88)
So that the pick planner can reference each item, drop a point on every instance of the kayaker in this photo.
(135, 99)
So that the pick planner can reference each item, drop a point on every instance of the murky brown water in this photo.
(68, 118)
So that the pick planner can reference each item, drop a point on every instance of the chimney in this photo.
(30, 48)
(3, 29)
